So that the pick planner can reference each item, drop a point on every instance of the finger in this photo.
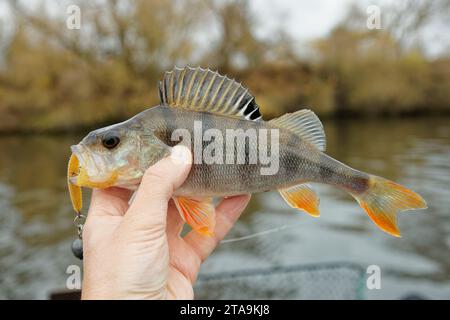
(227, 213)
(149, 208)
(109, 202)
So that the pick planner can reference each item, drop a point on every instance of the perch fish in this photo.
(118, 155)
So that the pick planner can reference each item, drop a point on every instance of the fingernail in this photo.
(181, 155)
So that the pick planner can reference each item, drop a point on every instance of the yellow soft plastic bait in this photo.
(75, 191)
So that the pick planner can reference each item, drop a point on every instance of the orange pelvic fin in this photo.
(302, 197)
(384, 199)
(76, 196)
(199, 214)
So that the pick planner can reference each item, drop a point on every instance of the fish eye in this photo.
(110, 141)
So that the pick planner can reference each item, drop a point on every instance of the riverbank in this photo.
(53, 79)
(344, 116)
(71, 103)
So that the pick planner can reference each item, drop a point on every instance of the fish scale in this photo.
(233, 179)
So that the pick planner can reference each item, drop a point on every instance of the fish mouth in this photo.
(92, 169)
(83, 161)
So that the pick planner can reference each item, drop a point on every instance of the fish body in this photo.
(235, 152)
(299, 161)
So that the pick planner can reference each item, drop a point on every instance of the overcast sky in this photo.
(307, 19)
(302, 19)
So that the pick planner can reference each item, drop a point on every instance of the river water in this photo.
(36, 227)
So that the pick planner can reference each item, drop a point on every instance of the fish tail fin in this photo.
(384, 199)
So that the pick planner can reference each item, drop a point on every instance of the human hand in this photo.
(136, 251)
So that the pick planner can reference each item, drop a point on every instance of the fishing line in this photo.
(260, 233)
(247, 237)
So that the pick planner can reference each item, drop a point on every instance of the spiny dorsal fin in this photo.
(204, 90)
(304, 123)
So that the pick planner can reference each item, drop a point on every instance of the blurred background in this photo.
(383, 92)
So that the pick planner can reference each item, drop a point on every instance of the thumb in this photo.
(149, 208)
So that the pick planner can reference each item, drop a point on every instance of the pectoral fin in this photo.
(302, 197)
(199, 214)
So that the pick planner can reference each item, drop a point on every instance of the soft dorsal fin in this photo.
(304, 123)
(204, 90)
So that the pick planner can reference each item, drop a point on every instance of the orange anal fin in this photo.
(302, 197)
(199, 214)
(74, 191)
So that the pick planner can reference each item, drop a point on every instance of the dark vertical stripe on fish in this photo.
(326, 172)
(206, 176)
(336, 173)
(360, 182)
